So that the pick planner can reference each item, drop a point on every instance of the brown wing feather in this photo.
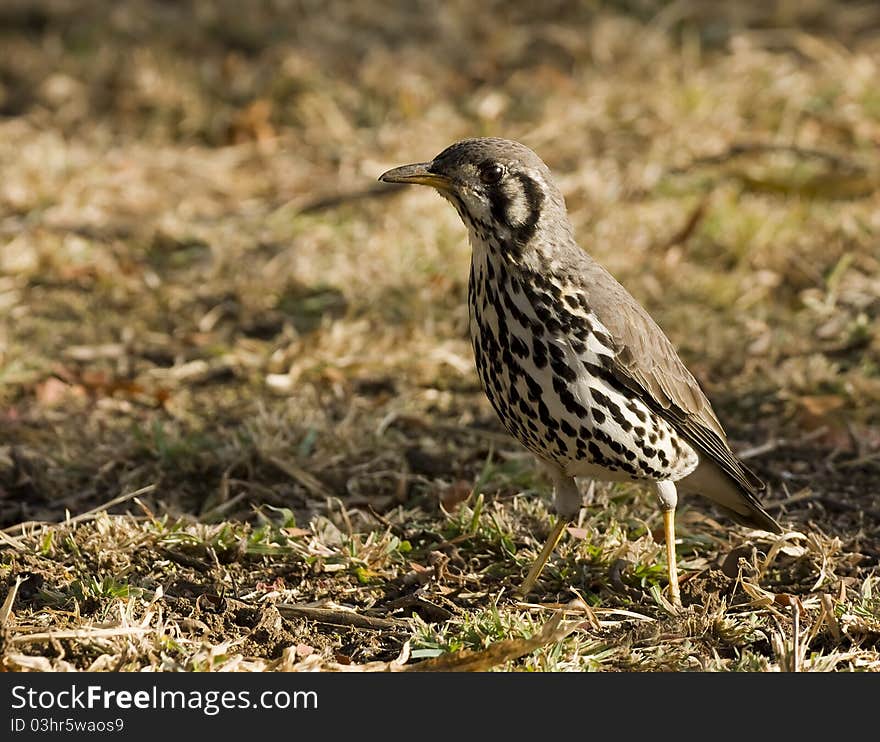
(646, 363)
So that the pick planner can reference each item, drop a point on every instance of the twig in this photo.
(434, 611)
(13, 541)
(82, 517)
(801, 496)
(582, 604)
(186, 560)
(860, 461)
(407, 419)
(845, 506)
(338, 617)
(6, 610)
(775, 443)
(309, 481)
(748, 148)
(397, 530)
(44, 636)
(209, 515)
(693, 221)
(332, 200)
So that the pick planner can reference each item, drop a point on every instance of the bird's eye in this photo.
(491, 173)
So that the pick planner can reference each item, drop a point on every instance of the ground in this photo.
(240, 426)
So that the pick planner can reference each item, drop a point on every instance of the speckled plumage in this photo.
(574, 366)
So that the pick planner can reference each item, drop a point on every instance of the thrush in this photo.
(574, 366)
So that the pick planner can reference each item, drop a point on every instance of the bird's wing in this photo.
(647, 364)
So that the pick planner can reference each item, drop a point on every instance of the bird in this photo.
(575, 368)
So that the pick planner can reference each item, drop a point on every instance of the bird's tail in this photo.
(735, 498)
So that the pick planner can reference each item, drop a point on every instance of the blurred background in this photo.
(190, 222)
(205, 293)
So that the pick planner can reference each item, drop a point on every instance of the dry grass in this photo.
(239, 424)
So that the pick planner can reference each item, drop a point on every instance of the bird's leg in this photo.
(538, 564)
(566, 501)
(668, 500)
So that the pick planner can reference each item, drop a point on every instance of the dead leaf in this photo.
(53, 391)
(817, 411)
(295, 532)
(828, 616)
(417, 575)
(820, 405)
(253, 123)
(789, 601)
(455, 494)
(580, 533)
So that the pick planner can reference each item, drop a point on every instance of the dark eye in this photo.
(491, 173)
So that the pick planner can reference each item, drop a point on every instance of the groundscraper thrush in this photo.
(576, 369)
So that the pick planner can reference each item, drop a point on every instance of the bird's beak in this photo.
(418, 174)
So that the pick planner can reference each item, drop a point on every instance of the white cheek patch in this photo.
(518, 211)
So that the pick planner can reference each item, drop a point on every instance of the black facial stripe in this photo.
(534, 200)
(500, 203)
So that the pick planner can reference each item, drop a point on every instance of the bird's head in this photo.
(500, 188)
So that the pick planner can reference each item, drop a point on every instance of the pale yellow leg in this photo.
(538, 565)
(669, 528)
